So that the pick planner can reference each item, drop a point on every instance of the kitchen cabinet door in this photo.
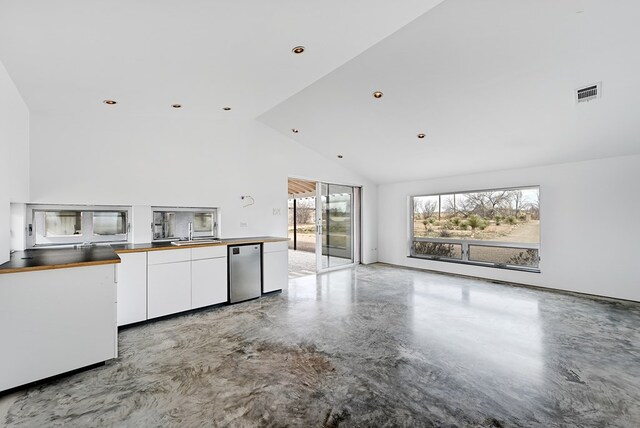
(55, 321)
(275, 271)
(169, 288)
(132, 288)
(208, 282)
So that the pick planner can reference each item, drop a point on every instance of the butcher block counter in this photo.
(60, 258)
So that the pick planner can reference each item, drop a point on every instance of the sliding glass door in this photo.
(335, 210)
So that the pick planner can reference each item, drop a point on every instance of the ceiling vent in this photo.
(589, 93)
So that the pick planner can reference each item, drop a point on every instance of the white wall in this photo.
(589, 225)
(18, 226)
(14, 157)
(180, 161)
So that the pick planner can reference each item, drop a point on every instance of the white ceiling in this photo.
(489, 82)
(69, 55)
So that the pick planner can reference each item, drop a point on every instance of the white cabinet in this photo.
(163, 282)
(275, 266)
(54, 321)
(208, 281)
(175, 280)
(132, 288)
(169, 287)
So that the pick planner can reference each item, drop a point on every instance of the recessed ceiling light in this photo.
(339, 156)
(294, 130)
(377, 94)
(110, 102)
(226, 108)
(298, 50)
(176, 105)
(421, 135)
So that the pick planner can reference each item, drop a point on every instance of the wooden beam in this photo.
(301, 187)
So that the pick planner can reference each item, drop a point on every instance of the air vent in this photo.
(589, 93)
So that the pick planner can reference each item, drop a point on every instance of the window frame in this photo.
(214, 211)
(35, 224)
(465, 243)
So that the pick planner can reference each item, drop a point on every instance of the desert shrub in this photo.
(425, 223)
(511, 219)
(522, 217)
(448, 226)
(455, 221)
(525, 258)
(498, 218)
(462, 225)
(431, 220)
(434, 249)
(306, 229)
(444, 233)
(476, 222)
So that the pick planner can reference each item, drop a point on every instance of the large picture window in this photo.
(498, 228)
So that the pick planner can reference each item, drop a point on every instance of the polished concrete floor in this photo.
(301, 263)
(372, 346)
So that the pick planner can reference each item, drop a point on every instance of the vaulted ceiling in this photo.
(68, 55)
(490, 83)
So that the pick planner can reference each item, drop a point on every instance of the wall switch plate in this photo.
(243, 224)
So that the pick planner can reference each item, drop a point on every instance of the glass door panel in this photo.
(335, 209)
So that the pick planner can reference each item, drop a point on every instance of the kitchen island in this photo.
(57, 312)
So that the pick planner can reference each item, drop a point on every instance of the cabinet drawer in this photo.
(169, 256)
(270, 247)
(209, 252)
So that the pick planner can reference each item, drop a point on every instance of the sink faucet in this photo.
(190, 231)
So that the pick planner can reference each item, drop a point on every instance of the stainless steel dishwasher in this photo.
(245, 272)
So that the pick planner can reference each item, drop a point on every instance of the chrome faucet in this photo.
(190, 231)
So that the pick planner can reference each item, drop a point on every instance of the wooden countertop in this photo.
(159, 246)
(58, 258)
